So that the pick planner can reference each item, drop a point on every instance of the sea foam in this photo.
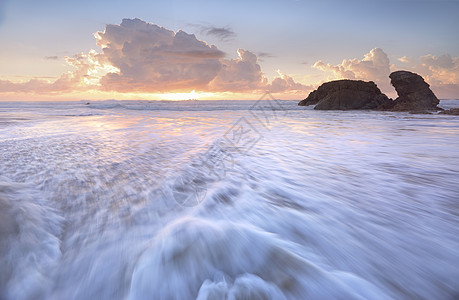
(167, 200)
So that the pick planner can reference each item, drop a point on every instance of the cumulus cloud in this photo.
(243, 74)
(151, 58)
(441, 72)
(137, 56)
(286, 83)
(154, 59)
(374, 66)
(442, 69)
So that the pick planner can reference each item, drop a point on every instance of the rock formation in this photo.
(414, 94)
(346, 94)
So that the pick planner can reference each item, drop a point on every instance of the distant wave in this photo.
(450, 103)
(197, 105)
(91, 108)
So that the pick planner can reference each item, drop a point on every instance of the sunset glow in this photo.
(154, 58)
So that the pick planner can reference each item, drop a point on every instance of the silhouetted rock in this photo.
(420, 112)
(413, 92)
(346, 94)
(452, 111)
(317, 95)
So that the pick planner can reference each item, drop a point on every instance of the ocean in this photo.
(226, 200)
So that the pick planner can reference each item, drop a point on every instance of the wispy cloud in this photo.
(54, 57)
(223, 33)
(262, 55)
(265, 55)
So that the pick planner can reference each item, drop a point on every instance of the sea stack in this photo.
(346, 94)
(414, 94)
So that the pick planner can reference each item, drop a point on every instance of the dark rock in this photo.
(452, 111)
(315, 96)
(420, 112)
(414, 94)
(346, 94)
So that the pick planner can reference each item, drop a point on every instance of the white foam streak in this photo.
(29, 236)
(243, 262)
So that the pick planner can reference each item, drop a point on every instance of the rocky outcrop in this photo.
(315, 96)
(346, 94)
(414, 94)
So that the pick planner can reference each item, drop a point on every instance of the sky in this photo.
(176, 49)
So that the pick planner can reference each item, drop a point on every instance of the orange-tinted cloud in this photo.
(142, 57)
(375, 66)
(286, 83)
(240, 74)
(65, 83)
(441, 72)
(154, 59)
(88, 69)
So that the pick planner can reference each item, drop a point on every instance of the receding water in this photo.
(226, 200)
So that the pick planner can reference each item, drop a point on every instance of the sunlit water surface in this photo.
(226, 200)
